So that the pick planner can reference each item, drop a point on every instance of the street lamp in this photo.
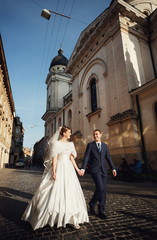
(47, 14)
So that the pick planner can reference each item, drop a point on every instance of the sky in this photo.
(31, 42)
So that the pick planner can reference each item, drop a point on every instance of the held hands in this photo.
(81, 172)
(114, 173)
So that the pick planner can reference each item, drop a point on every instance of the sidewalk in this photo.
(131, 210)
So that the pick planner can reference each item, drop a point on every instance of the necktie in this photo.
(99, 148)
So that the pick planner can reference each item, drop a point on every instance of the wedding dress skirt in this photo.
(59, 201)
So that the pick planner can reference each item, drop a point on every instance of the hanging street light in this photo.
(47, 14)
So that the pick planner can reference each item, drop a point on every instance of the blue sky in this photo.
(31, 42)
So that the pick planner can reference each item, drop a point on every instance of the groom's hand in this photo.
(114, 173)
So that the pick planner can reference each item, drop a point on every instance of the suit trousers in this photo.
(100, 180)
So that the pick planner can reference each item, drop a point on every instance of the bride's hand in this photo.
(79, 172)
(54, 176)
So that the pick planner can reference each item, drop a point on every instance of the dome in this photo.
(145, 6)
(60, 59)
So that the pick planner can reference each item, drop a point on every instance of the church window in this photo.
(93, 95)
(69, 118)
(48, 103)
(52, 129)
(59, 122)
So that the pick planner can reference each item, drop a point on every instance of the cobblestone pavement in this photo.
(131, 210)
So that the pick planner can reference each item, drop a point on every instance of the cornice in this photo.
(106, 22)
(127, 10)
(133, 28)
(119, 117)
(49, 113)
(144, 87)
(6, 80)
(108, 32)
(143, 1)
(52, 113)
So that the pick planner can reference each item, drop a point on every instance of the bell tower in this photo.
(58, 83)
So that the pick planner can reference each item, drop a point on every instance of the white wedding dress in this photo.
(59, 201)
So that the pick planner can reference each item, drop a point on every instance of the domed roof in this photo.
(60, 59)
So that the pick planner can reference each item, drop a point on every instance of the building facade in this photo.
(28, 153)
(16, 150)
(59, 87)
(7, 110)
(114, 83)
(38, 153)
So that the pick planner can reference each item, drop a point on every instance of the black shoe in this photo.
(102, 215)
(92, 211)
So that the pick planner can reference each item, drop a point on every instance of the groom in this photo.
(96, 154)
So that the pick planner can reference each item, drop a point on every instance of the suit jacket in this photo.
(96, 160)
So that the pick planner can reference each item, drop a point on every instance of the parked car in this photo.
(20, 163)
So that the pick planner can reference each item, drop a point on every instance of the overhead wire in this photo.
(59, 28)
(52, 32)
(48, 51)
(67, 22)
(39, 82)
(65, 30)
(40, 90)
(50, 41)
(37, 3)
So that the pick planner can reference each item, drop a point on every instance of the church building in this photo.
(110, 83)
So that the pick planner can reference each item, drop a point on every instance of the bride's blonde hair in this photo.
(64, 129)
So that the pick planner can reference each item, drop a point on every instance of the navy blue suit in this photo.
(98, 169)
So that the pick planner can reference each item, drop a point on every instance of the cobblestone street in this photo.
(131, 210)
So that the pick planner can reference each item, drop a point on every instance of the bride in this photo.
(59, 198)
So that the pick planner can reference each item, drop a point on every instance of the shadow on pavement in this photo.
(12, 209)
(28, 171)
(8, 192)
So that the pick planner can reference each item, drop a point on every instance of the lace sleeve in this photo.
(73, 150)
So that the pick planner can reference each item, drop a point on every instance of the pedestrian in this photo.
(59, 198)
(136, 167)
(96, 155)
(124, 170)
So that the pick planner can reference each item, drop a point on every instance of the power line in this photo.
(67, 22)
(48, 51)
(37, 3)
(59, 28)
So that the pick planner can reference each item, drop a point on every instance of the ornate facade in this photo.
(16, 150)
(58, 95)
(114, 83)
(7, 110)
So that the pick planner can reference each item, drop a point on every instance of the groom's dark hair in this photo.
(97, 130)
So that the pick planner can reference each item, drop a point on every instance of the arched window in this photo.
(49, 103)
(93, 95)
(59, 122)
(52, 129)
(69, 118)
